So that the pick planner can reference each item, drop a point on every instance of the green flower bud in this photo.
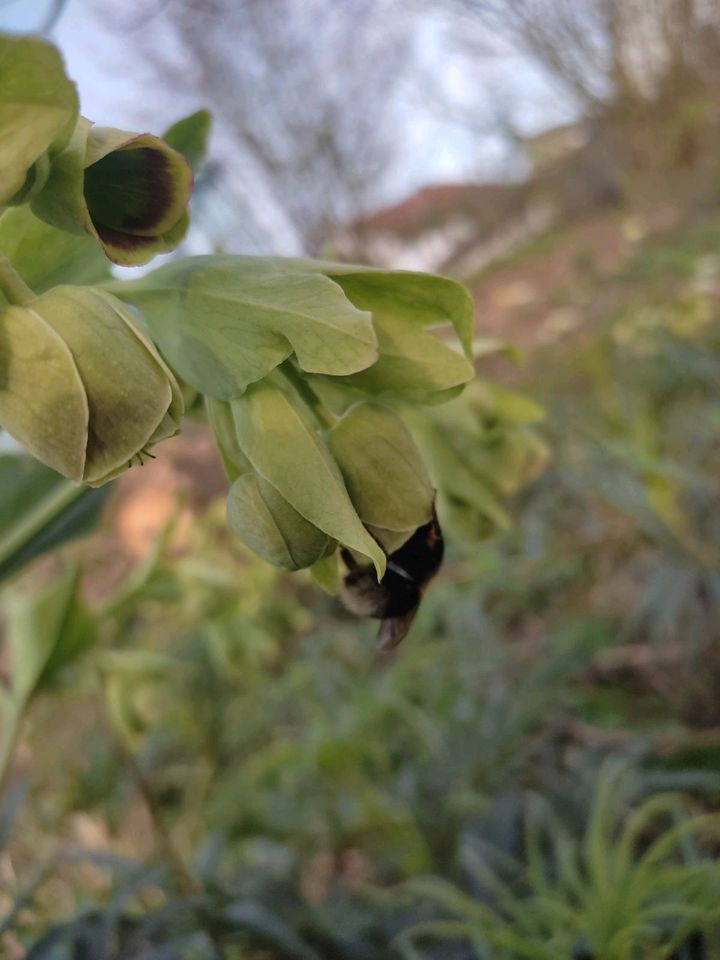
(272, 528)
(384, 473)
(129, 191)
(38, 110)
(262, 518)
(81, 386)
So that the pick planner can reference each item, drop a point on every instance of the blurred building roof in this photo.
(456, 227)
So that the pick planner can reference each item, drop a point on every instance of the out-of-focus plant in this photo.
(481, 448)
(45, 631)
(246, 701)
(39, 510)
(638, 882)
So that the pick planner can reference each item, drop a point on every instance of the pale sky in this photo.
(438, 148)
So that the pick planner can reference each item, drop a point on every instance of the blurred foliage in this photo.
(39, 510)
(641, 881)
(241, 779)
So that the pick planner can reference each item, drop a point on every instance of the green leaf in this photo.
(497, 402)
(38, 108)
(285, 449)
(423, 299)
(224, 322)
(271, 527)
(39, 510)
(491, 346)
(76, 633)
(134, 678)
(46, 630)
(189, 137)
(467, 491)
(413, 363)
(35, 625)
(45, 257)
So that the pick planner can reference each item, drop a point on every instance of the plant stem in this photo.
(185, 883)
(48, 508)
(10, 740)
(321, 413)
(12, 285)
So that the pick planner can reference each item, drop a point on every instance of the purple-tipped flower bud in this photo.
(128, 190)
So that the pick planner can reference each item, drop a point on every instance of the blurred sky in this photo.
(439, 145)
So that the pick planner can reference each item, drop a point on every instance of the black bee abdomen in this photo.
(396, 598)
(420, 556)
(401, 595)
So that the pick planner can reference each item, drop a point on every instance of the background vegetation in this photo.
(211, 763)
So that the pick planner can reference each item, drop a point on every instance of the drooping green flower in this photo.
(38, 110)
(81, 387)
(129, 191)
(257, 511)
(272, 528)
(384, 473)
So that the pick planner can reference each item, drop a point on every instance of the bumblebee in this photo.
(396, 598)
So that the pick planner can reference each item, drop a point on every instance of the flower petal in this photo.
(42, 398)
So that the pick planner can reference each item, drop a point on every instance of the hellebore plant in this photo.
(309, 369)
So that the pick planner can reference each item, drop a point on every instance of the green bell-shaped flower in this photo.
(81, 387)
(128, 190)
(384, 473)
(257, 512)
(272, 528)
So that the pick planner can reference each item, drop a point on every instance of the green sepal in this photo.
(45, 632)
(50, 419)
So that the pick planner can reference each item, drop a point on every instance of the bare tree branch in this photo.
(303, 92)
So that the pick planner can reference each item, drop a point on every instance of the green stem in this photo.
(12, 285)
(10, 738)
(321, 413)
(184, 882)
(42, 514)
(18, 536)
(186, 885)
